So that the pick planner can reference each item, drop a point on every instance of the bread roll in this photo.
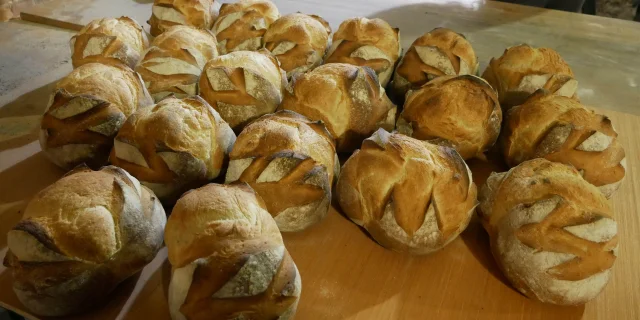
(348, 99)
(560, 129)
(80, 237)
(177, 145)
(460, 111)
(410, 195)
(167, 13)
(290, 162)
(298, 41)
(85, 112)
(521, 70)
(109, 41)
(242, 25)
(175, 60)
(227, 258)
(439, 52)
(242, 86)
(552, 233)
(367, 42)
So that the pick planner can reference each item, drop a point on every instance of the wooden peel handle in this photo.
(50, 22)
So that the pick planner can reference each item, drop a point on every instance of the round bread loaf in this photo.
(80, 237)
(521, 70)
(168, 13)
(227, 258)
(560, 129)
(290, 162)
(367, 42)
(298, 41)
(177, 145)
(243, 86)
(347, 98)
(460, 111)
(242, 25)
(410, 195)
(109, 41)
(439, 52)
(174, 62)
(85, 112)
(552, 233)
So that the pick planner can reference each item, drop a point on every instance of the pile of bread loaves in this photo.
(267, 102)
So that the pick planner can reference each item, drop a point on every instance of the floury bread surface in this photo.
(367, 42)
(227, 258)
(561, 129)
(522, 69)
(552, 233)
(174, 146)
(85, 112)
(298, 41)
(80, 237)
(348, 99)
(291, 162)
(168, 13)
(242, 25)
(439, 52)
(243, 86)
(410, 195)
(109, 41)
(174, 62)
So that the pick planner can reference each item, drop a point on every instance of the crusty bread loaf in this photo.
(85, 112)
(460, 111)
(242, 25)
(299, 41)
(227, 258)
(560, 129)
(439, 52)
(521, 70)
(290, 162)
(409, 194)
(175, 146)
(367, 42)
(174, 62)
(80, 237)
(347, 98)
(109, 41)
(168, 13)
(552, 233)
(243, 86)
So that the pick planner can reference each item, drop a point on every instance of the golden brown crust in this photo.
(80, 237)
(560, 129)
(298, 41)
(168, 13)
(521, 70)
(242, 25)
(109, 41)
(242, 86)
(462, 110)
(228, 258)
(366, 42)
(347, 98)
(552, 233)
(290, 162)
(438, 52)
(175, 146)
(86, 111)
(410, 195)
(175, 60)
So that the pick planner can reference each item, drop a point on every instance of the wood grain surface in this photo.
(345, 274)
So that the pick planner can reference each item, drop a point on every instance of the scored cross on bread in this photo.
(242, 24)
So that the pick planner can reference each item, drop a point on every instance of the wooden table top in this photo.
(345, 274)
